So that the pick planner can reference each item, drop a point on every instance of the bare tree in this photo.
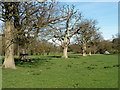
(86, 34)
(93, 43)
(36, 23)
(62, 32)
(24, 21)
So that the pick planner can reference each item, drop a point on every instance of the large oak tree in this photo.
(61, 33)
(24, 21)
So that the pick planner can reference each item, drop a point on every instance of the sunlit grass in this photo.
(96, 71)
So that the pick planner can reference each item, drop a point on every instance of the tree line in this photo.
(98, 47)
(44, 47)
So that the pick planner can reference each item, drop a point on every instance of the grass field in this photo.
(96, 71)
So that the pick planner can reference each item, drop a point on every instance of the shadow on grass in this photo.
(37, 62)
(54, 56)
(107, 54)
(69, 56)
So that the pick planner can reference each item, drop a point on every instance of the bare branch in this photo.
(56, 43)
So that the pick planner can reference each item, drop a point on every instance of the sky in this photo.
(106, 13)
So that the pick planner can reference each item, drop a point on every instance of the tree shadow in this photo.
(69, 56)
(37, 62)
(54, 56)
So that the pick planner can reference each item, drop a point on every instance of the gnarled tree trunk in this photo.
(65, 52)
(9, 50)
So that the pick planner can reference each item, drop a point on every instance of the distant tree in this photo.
(116, 44)
(41, 47)
(105, 45)
(93, 44)
(76, 48)
(86, 34)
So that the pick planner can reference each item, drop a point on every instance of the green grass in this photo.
(96, 71)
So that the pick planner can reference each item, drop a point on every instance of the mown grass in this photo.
(96, 71)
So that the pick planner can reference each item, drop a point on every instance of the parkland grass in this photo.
(96, 71)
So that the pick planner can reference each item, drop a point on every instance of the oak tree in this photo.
(62, 32)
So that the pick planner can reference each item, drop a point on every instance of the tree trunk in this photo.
(34, 53)
(9, 46)
(90, 53)
(43, 53)
(18, 51)
(65, 52)
(23, 53)
(84, 49)
(29, 52)
(94, 52)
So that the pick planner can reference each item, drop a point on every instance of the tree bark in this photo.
(9, 45)
(65, 52)
(84, 49)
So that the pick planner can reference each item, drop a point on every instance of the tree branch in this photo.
(56, 43)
